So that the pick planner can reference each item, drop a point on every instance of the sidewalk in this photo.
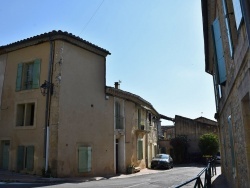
(219, 181)
(7, 176)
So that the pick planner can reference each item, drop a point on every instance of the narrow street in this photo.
(164, 178)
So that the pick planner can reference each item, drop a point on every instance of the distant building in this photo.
(168, 132)
(226, 28)
(193, 129)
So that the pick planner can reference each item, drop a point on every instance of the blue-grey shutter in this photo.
(20, 158)
(30, 157)
(19, 77)
(36, 74)
(219, 52)
(84, 159)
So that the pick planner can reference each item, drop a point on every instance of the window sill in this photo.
(25, 127)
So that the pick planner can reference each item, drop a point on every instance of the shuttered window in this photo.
(19, 77)
(20, 157)
(118, 117)
(36, 74)
(29, 157)
(140, 149)
(28, 75)
(219, 52)
(25, 158)
(84, 159)
(227, 22)
(230, 128)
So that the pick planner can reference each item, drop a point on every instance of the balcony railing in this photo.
(142, 124)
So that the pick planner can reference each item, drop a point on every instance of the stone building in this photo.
(193, 129)
(226, 28)
(58, 115)
(168, 132)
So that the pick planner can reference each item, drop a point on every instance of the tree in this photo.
(180, 145)
(209, 144)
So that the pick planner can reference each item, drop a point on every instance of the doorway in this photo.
(5, 154)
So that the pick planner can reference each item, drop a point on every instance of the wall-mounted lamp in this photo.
(46, 88)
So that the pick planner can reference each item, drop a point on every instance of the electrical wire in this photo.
(85, 26)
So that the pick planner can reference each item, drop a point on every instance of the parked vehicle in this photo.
(218, 158)
(162, 161)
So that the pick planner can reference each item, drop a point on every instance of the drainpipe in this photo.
(47, 111)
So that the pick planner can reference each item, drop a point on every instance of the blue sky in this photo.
(156, 45)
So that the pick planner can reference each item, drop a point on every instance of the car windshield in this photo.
(161, 156)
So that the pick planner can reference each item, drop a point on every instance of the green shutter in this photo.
(219, 52)
(30, 157)
(140, 150)
(36, 74)
(89, 159)
(19, 77)
(20, 157)
(84, 159)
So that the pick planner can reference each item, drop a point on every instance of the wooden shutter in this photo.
(36, 74)
(19, 77)
(140, 149)
(219, 52)
(20, 157)
(30, 157)
(84, 159)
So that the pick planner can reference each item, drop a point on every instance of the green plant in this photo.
(180, 145)
(209, 144)
(130, 169)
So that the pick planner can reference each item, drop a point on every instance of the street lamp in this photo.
(46, 87)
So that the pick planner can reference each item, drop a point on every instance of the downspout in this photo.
(48, 102)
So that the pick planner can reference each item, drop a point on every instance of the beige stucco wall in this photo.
(10, 98)
(85, 116)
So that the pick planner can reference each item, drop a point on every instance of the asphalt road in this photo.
(164, 178)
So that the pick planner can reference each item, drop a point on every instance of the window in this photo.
(28, 75)
(237, 12)
(118, 117)
(139, 149)
(231, 140)
(219, 53)
(25, 158)
(84, 159)
(25, 114)
(227, 22)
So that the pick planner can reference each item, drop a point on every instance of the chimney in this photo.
(117, 85)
